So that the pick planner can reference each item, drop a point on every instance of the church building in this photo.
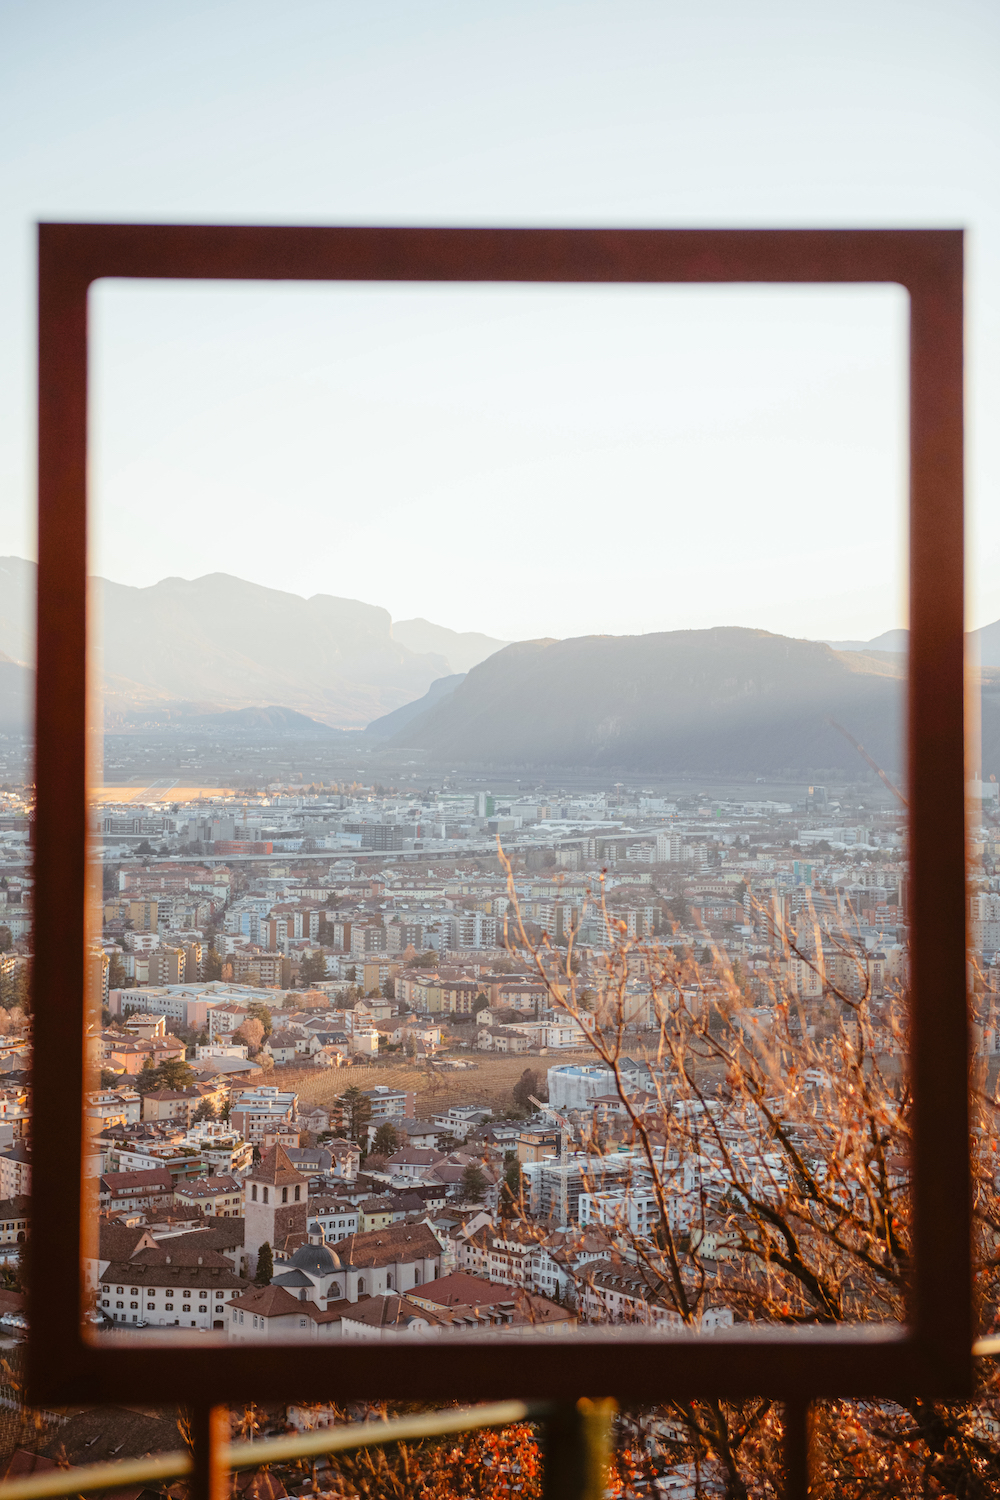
(274, 1206)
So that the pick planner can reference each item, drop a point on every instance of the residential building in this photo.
(255, 1111)
(136, 1291)
(220, 1197)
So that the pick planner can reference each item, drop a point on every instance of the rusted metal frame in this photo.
(941, 1299)
(797, 1435)
(933, 1353)
(637, 1371)
(209, 1453)
(577, 1440)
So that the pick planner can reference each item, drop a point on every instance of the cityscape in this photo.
(381, 1052)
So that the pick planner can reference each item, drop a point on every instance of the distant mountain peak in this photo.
(462, 649)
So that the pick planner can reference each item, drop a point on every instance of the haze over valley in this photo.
(218, 654)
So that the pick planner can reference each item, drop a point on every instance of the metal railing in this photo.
(576, 1444)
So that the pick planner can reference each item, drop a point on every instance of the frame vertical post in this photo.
(796, 1444)
(577, 1447)
(209, 1440)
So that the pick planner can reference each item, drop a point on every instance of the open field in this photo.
(162, 790)
(489, 1083)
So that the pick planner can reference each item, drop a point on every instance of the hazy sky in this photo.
(519, 460)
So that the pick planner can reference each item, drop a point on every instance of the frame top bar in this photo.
(348, 253)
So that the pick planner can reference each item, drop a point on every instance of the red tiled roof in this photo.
(200, 1187)
(269, 1302)
(118, 1242)
(415, 1156)
(386, 1312)
(461, 1288)
(180, 1257)
(276, 1169)
(157, 1179)
(21, 1463)
(383, 1247)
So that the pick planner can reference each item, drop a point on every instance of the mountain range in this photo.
(985, 644)
(223, 654)
(181, 649)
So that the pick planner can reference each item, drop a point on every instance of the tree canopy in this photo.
(474, 1182)
(259, 1012)
(172, 1073)
(529, 1084)
(265, 1266)
(251, 1034)
(386, 1139)
(357, 1113)
(312, 969)
(212, 966)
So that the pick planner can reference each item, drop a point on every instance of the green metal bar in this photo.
(56, 1482)
(378, 1434)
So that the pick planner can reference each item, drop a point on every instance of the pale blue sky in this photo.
(515, 461)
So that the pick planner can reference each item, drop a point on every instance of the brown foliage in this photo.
(776, 1143)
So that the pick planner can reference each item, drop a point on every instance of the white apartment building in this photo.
(257, 1111)
(669, 848)
(224, 1152)
(134, 1293)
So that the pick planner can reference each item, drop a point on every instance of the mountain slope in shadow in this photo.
(727, 701)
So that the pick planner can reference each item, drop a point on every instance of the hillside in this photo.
(391, 724)
(728, 701)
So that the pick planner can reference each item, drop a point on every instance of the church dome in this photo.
(315, 1260)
